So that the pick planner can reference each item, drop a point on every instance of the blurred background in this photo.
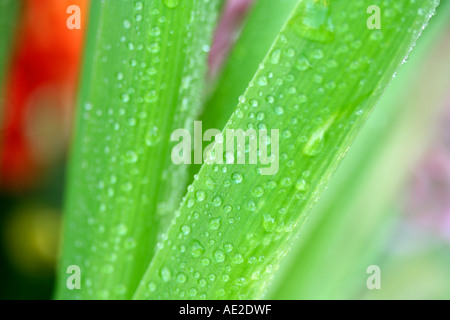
(36, 106)
(398, 211)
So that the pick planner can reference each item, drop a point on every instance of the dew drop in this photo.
(238, 259)
(268, 222)
(152, 137)
(126, 24)
(205, 261)
(302, 63)
(314, 144)
(290, 52)
(155, 31)
(262, 80)
(260, 116)
(200, 195)
(125, 97)
(313, 21)
(171, 3)
(317, 54)
(132, 122)
(202, 283)
(122, 229)
(217, 201)
(302, 98)
(251, 206)
(300, 185)
(138, 5)
(193, 292)
(151, 287)
(185, 229)
(228, 247)
(131, 157)
(219, 256)
(165, 274)
(206, 48)
(275, 57)
(181, 278)
(270, 99)
(269, 268)
(279, 110)
(258, 192)
(236, 177)
(151, 97)
(220, 292)
(214, 224)
(154, 48)
(197, 249)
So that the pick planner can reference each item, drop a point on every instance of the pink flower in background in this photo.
(227, 31)
(429, 202)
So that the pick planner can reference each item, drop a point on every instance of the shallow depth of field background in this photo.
(35, 133)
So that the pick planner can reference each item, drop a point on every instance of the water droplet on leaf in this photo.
(171, 3)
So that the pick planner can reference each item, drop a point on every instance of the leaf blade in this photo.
(201, 261)
(331, 258)
(143, 72)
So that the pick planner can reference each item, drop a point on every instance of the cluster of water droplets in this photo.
(118, 136)
(224, 236)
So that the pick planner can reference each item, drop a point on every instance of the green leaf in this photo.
(143, 76)
(9, 10)
(243, 61)
(317, 86)
(354, 219)
(244, 58)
